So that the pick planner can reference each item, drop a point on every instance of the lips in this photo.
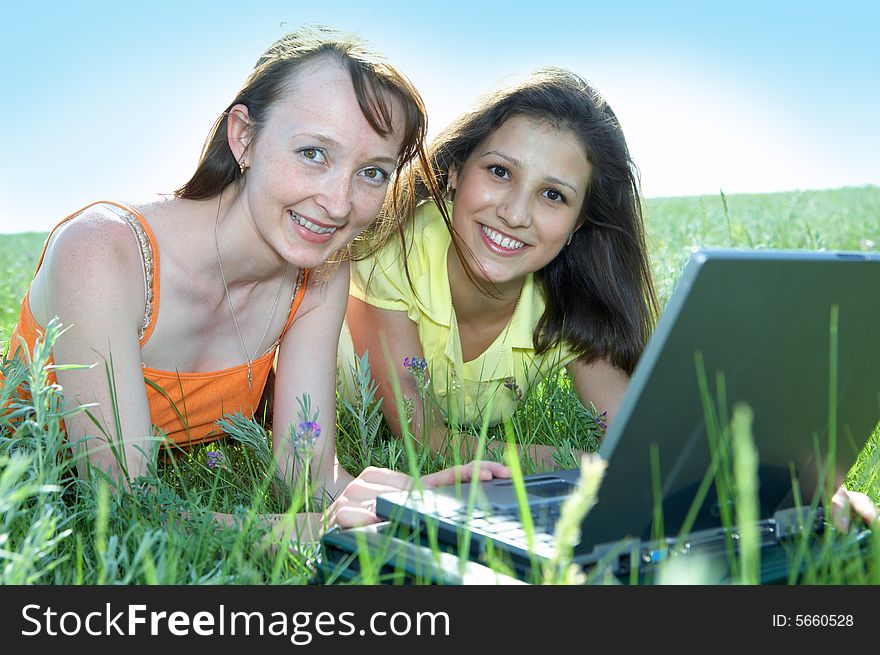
(501, 241)
(310, 231)
(311, 227)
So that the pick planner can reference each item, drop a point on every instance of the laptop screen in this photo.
(795, 336)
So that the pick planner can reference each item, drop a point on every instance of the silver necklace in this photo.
(247, 356)
(503, 346)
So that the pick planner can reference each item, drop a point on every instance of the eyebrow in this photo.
(516, 162)
(330, 141)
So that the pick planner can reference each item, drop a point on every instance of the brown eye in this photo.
(554, 195)
(499, 171)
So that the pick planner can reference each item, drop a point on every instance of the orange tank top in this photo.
(184, 405)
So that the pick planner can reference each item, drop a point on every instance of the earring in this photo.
(242, 167)
(570, 237)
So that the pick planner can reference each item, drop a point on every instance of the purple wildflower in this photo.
(418, 368)
(602, 420)
(307, 434)
(511, 384)
(415, 363)
(215, 458)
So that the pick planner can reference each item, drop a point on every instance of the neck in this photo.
(246, 257)
(473, 304)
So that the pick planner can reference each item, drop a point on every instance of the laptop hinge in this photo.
(797, 520)
(620, 556)
(624, 555)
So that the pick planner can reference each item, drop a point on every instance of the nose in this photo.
(335, 195)
(515, 209)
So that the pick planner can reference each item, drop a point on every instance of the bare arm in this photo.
(307, 367)
(371, 328)
(600, 384)
(379, 330)
(92, 279)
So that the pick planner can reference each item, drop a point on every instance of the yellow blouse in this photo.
(462, 390)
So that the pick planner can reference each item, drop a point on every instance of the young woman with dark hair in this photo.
(546, 265)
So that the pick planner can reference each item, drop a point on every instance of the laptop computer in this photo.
(792, 335)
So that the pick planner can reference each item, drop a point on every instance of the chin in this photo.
(309, 255)
(304, 261)
(495, 277)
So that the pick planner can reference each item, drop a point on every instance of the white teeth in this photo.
(504, 242)
(311, 227)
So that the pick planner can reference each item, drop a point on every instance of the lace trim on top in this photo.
(147, 260)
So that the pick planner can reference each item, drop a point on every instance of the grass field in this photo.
(54, 531)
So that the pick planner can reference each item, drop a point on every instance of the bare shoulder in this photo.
(96, 238)
(93, 254)
(598, 372)
(327, 292)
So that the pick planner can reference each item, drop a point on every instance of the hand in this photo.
(356, 505)
(846, 503)
(465, 473)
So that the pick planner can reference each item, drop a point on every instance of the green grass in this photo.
(57, 530)
(18, 260)
(840, 219)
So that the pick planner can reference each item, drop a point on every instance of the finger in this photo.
(359, 490)
(376, 475)
(438, 479)
(467, 472)
(460, 473)
(840, 510)
(497, 469)
(863, 507)
(352, 517)
(489, 470)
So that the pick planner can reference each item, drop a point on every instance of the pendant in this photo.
(250, 376)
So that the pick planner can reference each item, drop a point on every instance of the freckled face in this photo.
(518, 197)
(318, 172)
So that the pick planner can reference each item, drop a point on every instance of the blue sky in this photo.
(114, 99)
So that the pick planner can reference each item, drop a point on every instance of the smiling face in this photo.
(517, 199)
(317, 171)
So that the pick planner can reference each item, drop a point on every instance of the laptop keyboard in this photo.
(507, 525)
